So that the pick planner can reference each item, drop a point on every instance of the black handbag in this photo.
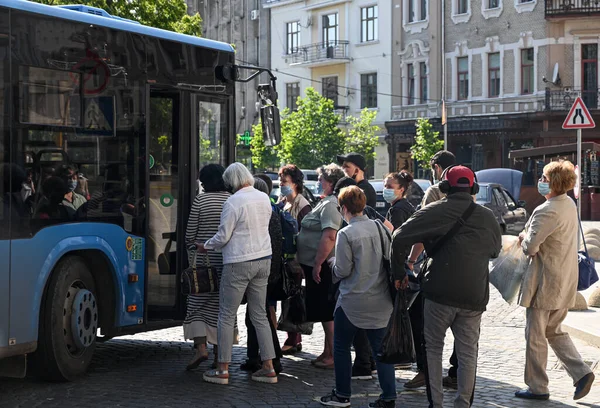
(199, 279)
(283, 286)
(387, 264)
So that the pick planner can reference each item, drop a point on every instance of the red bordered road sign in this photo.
(96, 74)
(579, 116)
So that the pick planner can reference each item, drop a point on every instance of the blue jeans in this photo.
(343, 336)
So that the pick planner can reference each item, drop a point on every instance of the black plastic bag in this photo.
(283, 286)
(293, 315)
(398, 345)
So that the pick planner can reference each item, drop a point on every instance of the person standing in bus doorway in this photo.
(72, 199)
(291, 184)
(354, 165)
(200, 324)
(243, 238)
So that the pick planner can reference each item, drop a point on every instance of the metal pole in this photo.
(580, 178)
(443, 49)
(446, 134)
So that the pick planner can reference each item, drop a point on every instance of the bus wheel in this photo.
(68, 323)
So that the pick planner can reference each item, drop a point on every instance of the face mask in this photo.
(319, 187)
(286, 191)
(72, 185)
(389, 195)
(543, 188)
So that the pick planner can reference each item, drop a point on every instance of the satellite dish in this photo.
(555, 75)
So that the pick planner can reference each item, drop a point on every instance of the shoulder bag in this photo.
(587, 266)
(199, 279)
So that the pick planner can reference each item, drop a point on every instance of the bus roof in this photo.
(92, 15)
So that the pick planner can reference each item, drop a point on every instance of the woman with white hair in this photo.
(243, 238)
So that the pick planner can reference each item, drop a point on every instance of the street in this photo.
(147, 370)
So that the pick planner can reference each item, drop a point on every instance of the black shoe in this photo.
(332, 400)
(277, 366)
(583, 386)
(450, 382)
(526, 394)
(361, 374)
(251, 366)
(292, 350)
(382, 404)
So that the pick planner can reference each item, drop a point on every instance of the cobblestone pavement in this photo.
(147, 370)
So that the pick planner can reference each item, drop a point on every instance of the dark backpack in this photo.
(289, 229)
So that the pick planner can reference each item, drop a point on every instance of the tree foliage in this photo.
(263, 156)
(310, 136)
(166, 14)
(427, 142)
(362, 134)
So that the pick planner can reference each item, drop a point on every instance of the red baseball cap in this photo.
(460, 176)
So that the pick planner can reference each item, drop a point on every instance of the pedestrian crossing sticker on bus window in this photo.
(137, 251)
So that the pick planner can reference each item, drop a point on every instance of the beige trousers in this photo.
(543, 327)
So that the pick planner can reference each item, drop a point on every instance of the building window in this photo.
(330, 30)
(525, 1)
(462, 6)
(423, 10)
(292, 37)
(330, 91)
(463, 77)
(527, 72)
(411, 84)
(292, 94)
(411, 11)
(589, 75)
(369, 26)
(417, 10)
(492, 4)
(423, 82)
(368, 91)
(494, 74)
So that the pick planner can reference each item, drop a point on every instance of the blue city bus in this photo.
(105, 125)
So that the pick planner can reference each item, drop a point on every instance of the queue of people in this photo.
(342, 246)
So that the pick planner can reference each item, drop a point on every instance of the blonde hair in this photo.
(561, 176)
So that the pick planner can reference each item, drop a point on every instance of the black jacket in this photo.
(400, 212)
(369, 191)
(458, 274)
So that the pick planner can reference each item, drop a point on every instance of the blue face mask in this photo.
(72, 185)
(286, 191)
(543, 188)
(319, 187)
(389, 195)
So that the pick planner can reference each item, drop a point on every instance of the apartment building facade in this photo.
(342, 48)
(512, 70)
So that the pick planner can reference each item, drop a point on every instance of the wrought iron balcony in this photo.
(567, 8)
(324, 53)
(562, 99)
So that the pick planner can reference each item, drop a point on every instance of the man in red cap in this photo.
(459, 237)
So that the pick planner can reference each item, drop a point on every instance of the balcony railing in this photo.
(561, 8)
(320, 52)
(562, 99)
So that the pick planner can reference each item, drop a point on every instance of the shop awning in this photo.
(556, 150)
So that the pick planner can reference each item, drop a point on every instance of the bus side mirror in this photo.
(271, 128)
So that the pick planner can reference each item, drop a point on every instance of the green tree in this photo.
(166, 14)
(310, 136)
(361, 136)
(263, 156)
(427, 142)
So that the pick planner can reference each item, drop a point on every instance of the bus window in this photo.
(211, 128)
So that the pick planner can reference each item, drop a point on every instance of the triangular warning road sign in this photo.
(579, 117)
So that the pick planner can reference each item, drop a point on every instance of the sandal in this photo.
(292, 349)
(216, 377)
(196, 360)
(320, 364)
(265, 376)
(317, 360)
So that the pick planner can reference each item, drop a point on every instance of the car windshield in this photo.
(482, 195)
(424, 184)
(377, 185)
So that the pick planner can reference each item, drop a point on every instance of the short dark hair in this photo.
(443, 158)
(211, 177)
(353, 198)
(295, 174)
(266, 179)
(343, 183)
(454, 190)
(260, 185)
(403, 178)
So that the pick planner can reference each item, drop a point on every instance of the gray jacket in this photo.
(458, 274)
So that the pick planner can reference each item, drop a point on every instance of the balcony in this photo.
(572, 8)
(562, 99)
(273, 3)
(320, 54)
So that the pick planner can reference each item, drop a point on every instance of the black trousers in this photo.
(363, 361)
(252, 350)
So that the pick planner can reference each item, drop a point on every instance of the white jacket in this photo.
(244, 230)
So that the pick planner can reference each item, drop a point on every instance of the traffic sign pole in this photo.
(579, 175)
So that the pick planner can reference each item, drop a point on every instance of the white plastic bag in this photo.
(506, 271)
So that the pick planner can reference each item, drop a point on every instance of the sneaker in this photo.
(265, 376)
(361, 374)
(583, 386)
(417, 382)
(332, 400)
(382, 404)
(450, 382)
(526, 394)
(403, 366)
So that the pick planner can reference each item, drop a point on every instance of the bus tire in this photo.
(68, 323)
